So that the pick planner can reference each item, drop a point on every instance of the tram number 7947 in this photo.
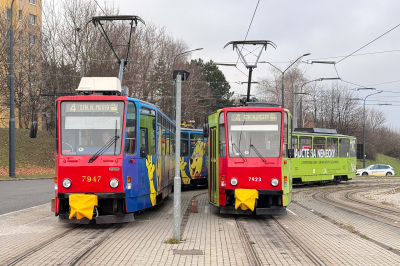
(254, 179)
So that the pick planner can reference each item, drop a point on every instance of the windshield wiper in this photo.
(103, 149)
(258, 153)
(237, 149)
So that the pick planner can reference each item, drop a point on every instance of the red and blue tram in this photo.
(114, 154)
(250, 159)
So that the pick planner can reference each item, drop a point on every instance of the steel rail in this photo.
(300, 244)
(86, 252)
(372, 214)
(30, 251)
(248, 249)
(387, 211)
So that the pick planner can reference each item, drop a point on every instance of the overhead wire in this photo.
(368, 43)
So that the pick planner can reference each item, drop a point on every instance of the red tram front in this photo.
(104, 171)
(249, 165)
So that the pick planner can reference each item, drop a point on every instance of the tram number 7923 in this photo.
(254, 179)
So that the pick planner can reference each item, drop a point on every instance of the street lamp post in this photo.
(173, 81)
(12, 115)
(283, 75)
(364, 122)
(301, 98)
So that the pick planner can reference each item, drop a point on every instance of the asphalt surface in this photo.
(18, 195)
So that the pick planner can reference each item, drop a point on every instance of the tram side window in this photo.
(319, 143)
(332, 144)
(344, 147)
(294, 142)
(205, 146)
(173, 140)
(195, 138)
(184, 144)
(222, 142)
(147, 131)
(158, 134)
(285, 136)
(305, 142)
(167, 140)
(353, 146)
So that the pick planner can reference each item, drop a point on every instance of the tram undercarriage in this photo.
(266, 203)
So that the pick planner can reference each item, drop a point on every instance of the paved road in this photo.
(18, 195)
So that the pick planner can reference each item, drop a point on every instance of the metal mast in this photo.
(242, 57)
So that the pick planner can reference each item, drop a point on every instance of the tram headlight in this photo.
(234, 181)
(274, 182)
(114, 183)
(66, 183)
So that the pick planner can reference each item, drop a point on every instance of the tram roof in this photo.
(319, 132)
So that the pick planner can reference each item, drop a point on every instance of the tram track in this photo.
(84, 247)
(300, 244)
(344, 199)
(250, 252)
(37, 248)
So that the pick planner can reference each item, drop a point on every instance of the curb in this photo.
(24, 179)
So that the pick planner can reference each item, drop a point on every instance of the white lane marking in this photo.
(24, 209)
(290, 211)
(206, 209)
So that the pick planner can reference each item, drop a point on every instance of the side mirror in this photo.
(205, 130)
(143, 152)
(33, 131)
(291, 153)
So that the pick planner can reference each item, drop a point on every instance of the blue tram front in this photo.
(194, 155)
(114, 154)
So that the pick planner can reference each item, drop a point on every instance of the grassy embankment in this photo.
(382, 159)
(34, 157)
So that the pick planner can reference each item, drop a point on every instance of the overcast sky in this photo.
(326, 29)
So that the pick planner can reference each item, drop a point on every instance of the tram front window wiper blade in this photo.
(237, 149)
(258, 153)
(103, 149)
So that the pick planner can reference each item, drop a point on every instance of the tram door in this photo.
(213, 186)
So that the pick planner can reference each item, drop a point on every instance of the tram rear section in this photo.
(249, 166)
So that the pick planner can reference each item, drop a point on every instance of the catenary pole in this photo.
(11, 124)
(364, 127)
(294, 107)
(177, 178)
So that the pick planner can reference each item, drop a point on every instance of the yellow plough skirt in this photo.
(246, 198)
(82, 205)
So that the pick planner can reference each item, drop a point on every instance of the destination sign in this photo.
(256, 116)
(91, 107)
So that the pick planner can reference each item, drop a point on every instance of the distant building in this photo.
(27, 28)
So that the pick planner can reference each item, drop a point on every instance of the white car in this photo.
(376, 169)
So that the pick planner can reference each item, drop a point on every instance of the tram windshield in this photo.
(88, 126)
(254, 134)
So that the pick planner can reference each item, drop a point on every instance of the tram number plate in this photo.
(91, 179)
(254, 179)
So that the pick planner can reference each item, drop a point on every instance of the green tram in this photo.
(321, 155)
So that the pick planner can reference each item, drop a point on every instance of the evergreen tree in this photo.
(217, 82)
